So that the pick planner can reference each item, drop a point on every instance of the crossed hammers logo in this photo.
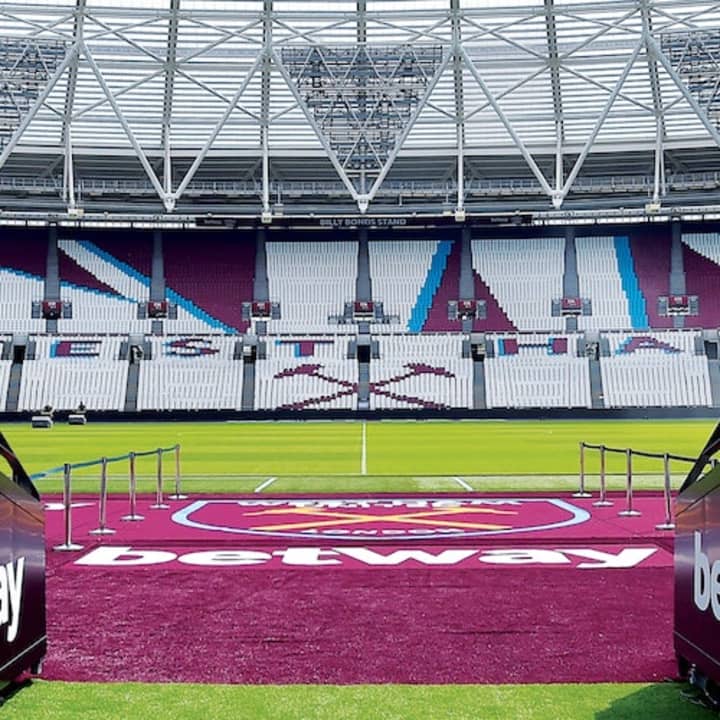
(345, 387)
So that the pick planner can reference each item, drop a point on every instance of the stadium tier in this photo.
(235, 321)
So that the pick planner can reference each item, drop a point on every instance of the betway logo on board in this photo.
(706, 579)
(353, 558)
(11, 586)
(369, 519)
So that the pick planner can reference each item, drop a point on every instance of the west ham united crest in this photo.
(380, 518)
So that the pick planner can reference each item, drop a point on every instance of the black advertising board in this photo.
(22, 570)
(697, 570)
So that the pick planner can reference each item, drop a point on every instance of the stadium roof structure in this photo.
(261, 108)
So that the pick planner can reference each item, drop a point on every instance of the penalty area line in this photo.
(265, 484)
(463, 484)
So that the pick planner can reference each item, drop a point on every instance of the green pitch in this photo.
(331, 457)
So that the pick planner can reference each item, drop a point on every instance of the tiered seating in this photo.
(421, 371)
(22, 277)
(606, 276)
(658, 369)
(524, 276)
(208, 277)
(306, 372)
(69, 370)
(104, 290)
(533, 370)
(405, 276)
(701, 259)
(191, 373)
(312, 281)
(651, 252)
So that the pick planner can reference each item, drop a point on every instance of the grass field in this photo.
(329, 457)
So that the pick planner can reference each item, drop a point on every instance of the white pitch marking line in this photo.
(267, 483)
(463, 484)
(363, 451)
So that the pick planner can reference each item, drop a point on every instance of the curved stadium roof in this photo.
(378, 106)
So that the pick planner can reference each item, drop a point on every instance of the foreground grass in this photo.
(91, 701)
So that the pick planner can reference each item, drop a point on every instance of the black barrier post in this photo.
(132, 516)
(159, 503)
(102, 528)
(668, 524)
(629, 512)
(178, 493)
(582, 493)
(67, 506)
(603, 501)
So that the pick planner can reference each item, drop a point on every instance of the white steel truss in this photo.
(361, 92)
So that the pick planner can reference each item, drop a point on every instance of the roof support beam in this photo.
(660, 134)
(170, 65)
(519, 144)
(559, 198)
(71, 86)
(142, 157)
(265, 109)
(459, 107)
(172, 199)
(657, 53)
(40, 100)
(554, 65)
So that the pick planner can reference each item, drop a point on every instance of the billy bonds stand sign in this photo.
(22, 570)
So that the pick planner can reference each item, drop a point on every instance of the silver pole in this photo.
(132, 516)
(629, 512)
(159, 503)
(178, 494)
(102, 528)
(582, 493)
(67, 507)
(668, 524)
(603, 501)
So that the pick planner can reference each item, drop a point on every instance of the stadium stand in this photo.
(701, 262)
(22, 280)
(523, 277)
(448, 289)
(190, 373)
(306, 372)
(536, 370)
(67, 370)
(208, 277)
(421, 371)
(312, 281)
(405, 278)
(606, 275)
(658, 369)
(651, 251)
(103, 290)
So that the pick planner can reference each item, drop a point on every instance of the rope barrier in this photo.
(629, 453)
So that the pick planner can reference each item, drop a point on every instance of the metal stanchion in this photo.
(629, 512)
(582, 493)
(102, 528)
(668, 524)
(178, 494)
(132, 495)
(159, 503)
(67, 503)
(603, 501)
